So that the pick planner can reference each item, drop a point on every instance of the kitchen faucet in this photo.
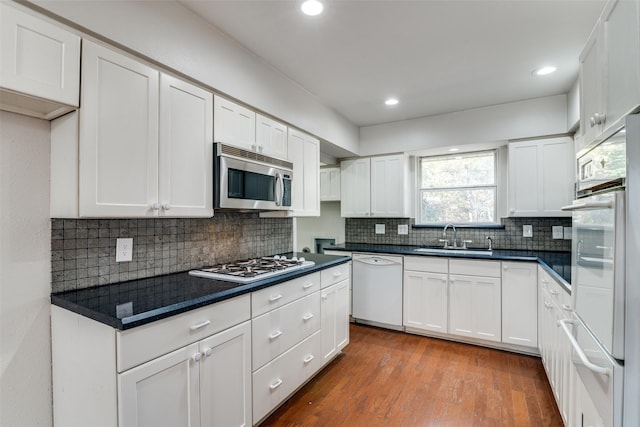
(455, 234)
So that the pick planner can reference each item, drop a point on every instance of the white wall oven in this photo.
(597, 329)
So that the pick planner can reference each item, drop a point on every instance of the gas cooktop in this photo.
(251, 270)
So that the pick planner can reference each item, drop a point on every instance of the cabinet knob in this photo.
(254, 147)
(207, 352)
(512, 210)
(505, 267)
(196, 357)
(155, 206)
(324, 296)
(166, 206)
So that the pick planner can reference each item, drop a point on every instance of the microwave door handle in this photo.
(279, 197)
(583, 206)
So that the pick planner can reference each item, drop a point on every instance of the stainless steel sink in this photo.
(454, 251)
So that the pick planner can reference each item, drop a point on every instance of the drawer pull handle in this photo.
(307, 285)
(275, 298)
(307, 316)
(567, 307)
(553, 292)
(274, 335)
(200, 325)
(308, 359)
(337, 274)
(276, 384)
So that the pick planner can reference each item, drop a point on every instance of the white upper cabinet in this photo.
(376, 187)
(39, 65)
(355, 184)
(541, 177)
(610, 69)
(144, 148)
(271, 137)
(330, 184)
(304, 153)
(234, 124)
(186, 149)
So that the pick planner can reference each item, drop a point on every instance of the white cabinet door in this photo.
(387, 186)
(474, 304)
(161, 393)
(541, 176)
(271, 137)
(334, 325)
(519, 303)
(38, 59)
(591, 85)
(355, 187)
(233, 124)
(426, 301)
(118, 135)
(621, 32)
(186, 149)
(304, 153)
(330, 184)
(225, 378)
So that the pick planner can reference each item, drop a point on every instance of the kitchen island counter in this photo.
(134, 303)
(558, 264)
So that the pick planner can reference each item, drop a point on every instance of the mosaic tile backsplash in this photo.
(362, 230)
(83, 250)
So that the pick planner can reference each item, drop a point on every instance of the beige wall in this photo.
(25, 236)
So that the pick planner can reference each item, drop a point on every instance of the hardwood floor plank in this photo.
(388, 378)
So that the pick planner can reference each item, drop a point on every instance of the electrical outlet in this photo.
(557, 231)
(403, 229)
(527, 231)
(124, 250)
(567, 233)
(380, 229)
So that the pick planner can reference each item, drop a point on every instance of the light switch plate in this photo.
(567, 233)
(124, 249)
(557, 231)
(403, 229)
(527, 231)
(379, 228)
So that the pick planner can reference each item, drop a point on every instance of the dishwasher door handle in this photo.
(376, 261)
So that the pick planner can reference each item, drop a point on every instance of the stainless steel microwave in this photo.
(245, 180)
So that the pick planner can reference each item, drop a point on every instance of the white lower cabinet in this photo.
(206, 383)
(555, 348)
(475, 301)
(520, 303)
(426, 294)
(334, 306)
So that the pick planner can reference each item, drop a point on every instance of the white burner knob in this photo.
(276, 257)
(301, 259)
(294, 258)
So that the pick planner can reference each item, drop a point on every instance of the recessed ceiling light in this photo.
(543, 71)
(312, 7)
(391, 101)
(454, 149)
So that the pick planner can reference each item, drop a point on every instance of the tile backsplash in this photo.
(83, 250)
(362, 230)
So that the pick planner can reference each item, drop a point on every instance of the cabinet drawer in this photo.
(283, 293)
(474, 268)
(426, 263)
(276, 380)
(555, 290)
(334, 275)
(149, 341)
(275, 332)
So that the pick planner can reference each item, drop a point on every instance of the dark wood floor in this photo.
(386, 378)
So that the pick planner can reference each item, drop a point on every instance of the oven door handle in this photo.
(584, 206)
(583, 358)
(279, 197)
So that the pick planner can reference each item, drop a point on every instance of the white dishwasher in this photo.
(377, 290)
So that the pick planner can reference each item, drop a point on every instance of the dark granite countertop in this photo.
(158, 297)
(558, 264)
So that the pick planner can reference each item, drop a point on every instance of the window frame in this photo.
(495, 186)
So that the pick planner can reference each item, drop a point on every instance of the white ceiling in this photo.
(434, 56)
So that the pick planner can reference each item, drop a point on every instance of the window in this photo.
(460, 189)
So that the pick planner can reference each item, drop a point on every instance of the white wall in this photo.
(25, 276)
(172, 35)
(328, 225)
(523, 119)
(573, 107)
